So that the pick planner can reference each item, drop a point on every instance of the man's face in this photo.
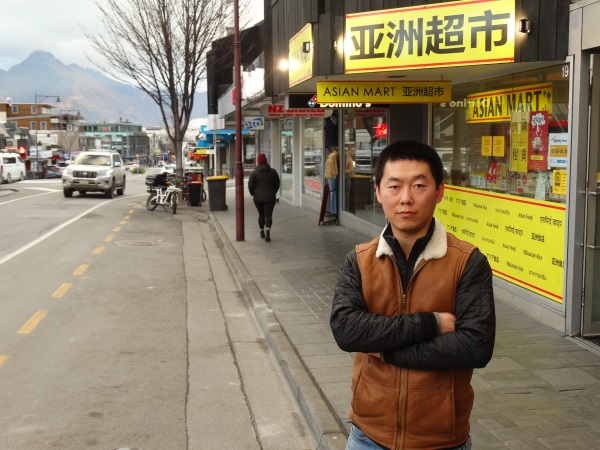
(408, 195)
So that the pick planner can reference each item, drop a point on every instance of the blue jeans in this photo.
(333, 195)
(357, 440)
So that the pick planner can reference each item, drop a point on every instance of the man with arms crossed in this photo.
(416, 305)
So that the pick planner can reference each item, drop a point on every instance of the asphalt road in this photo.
(122, 328)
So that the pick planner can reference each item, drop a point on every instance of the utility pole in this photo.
(239, 171)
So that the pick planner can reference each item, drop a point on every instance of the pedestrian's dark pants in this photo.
(265, 213)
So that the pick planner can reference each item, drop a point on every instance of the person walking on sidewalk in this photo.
(416, 305)
(263, 185)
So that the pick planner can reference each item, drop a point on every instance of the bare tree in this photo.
(160, 46)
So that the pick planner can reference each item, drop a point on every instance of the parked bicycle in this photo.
(162, 191)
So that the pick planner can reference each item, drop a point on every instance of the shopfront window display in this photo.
(365, 135)
(312, 138)
(507, 134)
(504, 146)
(287, 152)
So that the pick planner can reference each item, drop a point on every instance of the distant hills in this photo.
(95, 96)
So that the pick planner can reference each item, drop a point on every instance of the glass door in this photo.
(591, 306)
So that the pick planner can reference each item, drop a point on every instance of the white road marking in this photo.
(49, 233)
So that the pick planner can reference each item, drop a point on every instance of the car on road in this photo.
(95, 171)
(52, 172)
(169, 168)
(12, 167)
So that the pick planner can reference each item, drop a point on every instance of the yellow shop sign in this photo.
(499, 106)
(459, 33)
(384, 91)
(300, 67)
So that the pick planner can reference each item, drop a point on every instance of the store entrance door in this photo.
(591, 307)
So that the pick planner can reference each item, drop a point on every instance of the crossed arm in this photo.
(416, 341)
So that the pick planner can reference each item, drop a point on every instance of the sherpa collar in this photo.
(436, 248)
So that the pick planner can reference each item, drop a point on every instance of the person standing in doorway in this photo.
(263, 185)
(331, 174)
(416, 306)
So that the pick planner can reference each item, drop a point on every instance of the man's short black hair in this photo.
(411, 150)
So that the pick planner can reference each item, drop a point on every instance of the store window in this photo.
(507, 135)
(287, 153)
(504, 146)
(365, 135)
(312, 138)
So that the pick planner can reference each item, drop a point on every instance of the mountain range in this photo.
(97, 97)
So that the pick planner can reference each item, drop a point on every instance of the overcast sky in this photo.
(51, 26)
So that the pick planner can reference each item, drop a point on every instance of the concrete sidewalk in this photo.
(540, 391)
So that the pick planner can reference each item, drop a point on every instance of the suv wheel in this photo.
(110, 192)
(68, 193)
(121, 190)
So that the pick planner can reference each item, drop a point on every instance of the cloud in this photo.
(51, 26)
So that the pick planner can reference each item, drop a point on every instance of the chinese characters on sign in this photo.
(438, 35)
(384, 91)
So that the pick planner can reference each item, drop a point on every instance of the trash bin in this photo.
(195, 193)
(216, 192)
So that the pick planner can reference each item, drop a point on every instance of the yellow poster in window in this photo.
(498, 146)
(559, 182)
(519, 131)
(486, 146)
(458, 33)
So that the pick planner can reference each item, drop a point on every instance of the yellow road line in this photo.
(130, 211)
(109, 238)
(98, 250)
(117, 229)
(33, 322)
(62, 290)
(122, 222)
(3, 359)
(81, 269)
(127, 217)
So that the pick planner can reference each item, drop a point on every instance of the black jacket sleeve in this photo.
(357, 330)
(472, 343)
(251, 183)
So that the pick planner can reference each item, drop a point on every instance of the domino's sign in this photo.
(254, 123)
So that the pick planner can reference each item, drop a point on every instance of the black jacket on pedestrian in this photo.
(263, 183)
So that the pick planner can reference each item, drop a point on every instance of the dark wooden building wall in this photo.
(548, 40)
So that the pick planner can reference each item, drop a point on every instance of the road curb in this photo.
(316, 410)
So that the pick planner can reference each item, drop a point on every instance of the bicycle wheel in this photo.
(174, 201)
(151, 203)
(203, 194)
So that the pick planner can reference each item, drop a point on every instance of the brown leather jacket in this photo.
(417, 403)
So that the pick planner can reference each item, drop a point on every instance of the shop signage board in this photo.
(498, 106)
(293, 101)
(300, 67)
(279, 112)
(254, 123)
(384, 91)
(523, 239)
(460, 33)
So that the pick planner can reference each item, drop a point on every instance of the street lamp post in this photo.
(41, 98)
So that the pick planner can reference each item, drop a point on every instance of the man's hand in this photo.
(447, 322)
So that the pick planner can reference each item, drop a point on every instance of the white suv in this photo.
(12, 167)
(95, 171)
